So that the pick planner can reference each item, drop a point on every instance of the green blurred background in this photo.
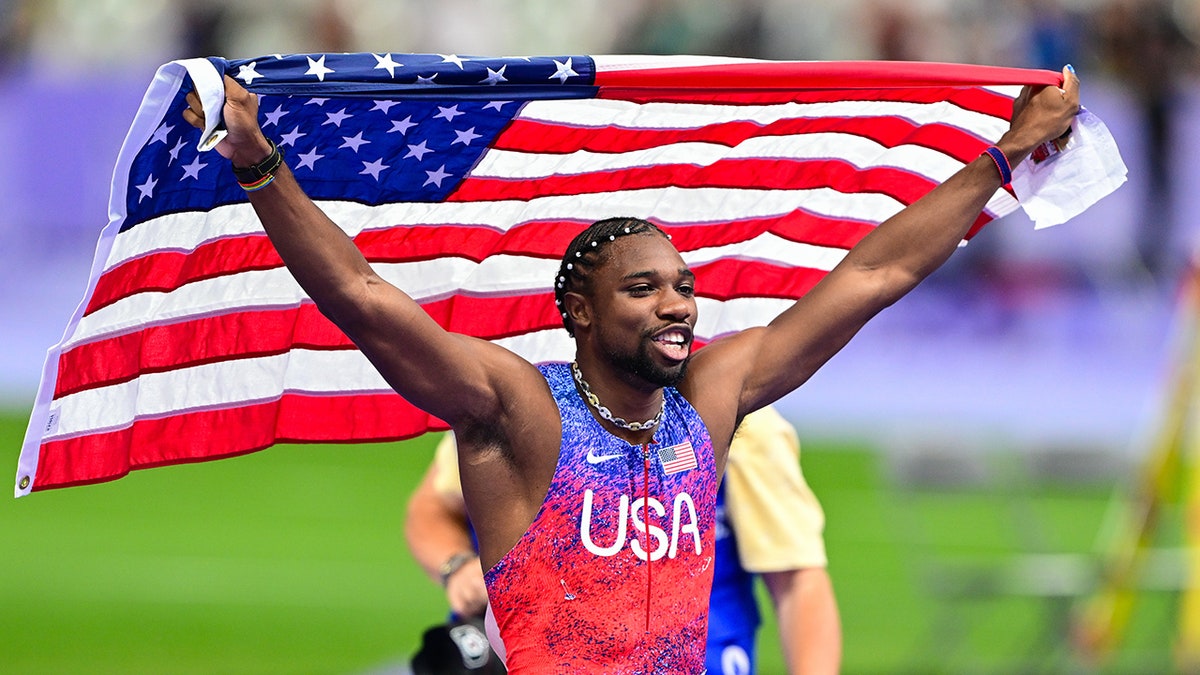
(291, 560)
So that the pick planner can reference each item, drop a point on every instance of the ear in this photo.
(579, 309)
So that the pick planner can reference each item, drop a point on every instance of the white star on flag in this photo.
(193, 170)
(247, 72)
(448, 114)
(309, 159)
(274, 116)
(291, 137)
(317, 67)
(385, 62)
(436, 177)
(160, 134)
(564, 71)
(402, 125)
(495, 77)
(464, 137)
(336, 118)
(374, 168)
(353, 142)
(419, 151)
(147, 189)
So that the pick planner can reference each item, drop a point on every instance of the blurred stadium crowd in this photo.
(1147, 49)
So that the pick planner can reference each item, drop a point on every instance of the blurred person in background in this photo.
(769, 524)
(1143, 45)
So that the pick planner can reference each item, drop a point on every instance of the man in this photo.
(594, 563)
(768, 523)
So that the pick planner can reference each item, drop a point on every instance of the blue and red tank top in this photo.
(613, 574)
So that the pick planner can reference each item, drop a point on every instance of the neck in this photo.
(634, 413)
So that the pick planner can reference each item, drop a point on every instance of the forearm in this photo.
(323, 259)
(809, 626)
(920, 238)
(433, 534)
(906, 248)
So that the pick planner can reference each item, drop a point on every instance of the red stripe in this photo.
(212, 434)
(768, 174)
(546, 138)
(968, 98)
(543, 239)
(167, 270)
(259, 333)
(841, 75)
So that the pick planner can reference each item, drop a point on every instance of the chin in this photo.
(668, 376)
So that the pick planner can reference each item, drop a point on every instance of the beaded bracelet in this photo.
(1002, 164)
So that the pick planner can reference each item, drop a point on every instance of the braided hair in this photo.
(586, 252)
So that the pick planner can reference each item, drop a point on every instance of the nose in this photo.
(676, 307)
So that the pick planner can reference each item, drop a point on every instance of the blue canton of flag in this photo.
(388, 130)
(677, 458)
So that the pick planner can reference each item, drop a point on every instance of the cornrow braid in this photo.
(586, 252)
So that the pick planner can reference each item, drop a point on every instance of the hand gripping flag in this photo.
(462, 180)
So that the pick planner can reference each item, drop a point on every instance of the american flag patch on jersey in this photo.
(677, 458)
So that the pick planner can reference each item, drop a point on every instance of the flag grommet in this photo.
(24, 484)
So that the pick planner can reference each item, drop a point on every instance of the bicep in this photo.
(798, 342)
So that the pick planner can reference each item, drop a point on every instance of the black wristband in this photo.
(256, 172)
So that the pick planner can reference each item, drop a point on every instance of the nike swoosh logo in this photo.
(596, 459)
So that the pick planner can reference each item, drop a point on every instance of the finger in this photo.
(193, 119)
(1070, 83)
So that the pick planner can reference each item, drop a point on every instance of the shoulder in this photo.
(716, 378)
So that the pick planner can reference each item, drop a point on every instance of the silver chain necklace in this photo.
(607, 414)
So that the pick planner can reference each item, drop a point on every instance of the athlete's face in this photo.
(644, 300)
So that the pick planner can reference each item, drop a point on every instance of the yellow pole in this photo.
(1187, 649)
(1131, 524)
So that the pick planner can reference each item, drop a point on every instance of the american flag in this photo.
(462, 179)
(677, 458)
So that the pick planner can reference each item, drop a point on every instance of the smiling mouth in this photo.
(674, 343)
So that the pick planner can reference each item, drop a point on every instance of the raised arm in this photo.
(886, 264)
(454, 377)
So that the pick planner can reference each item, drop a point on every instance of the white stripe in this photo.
(618, 62)
(771, 249)
(424, 281)
(216, 385)
(245, 381)
(631, 115)
(668, 206)
(858, 151)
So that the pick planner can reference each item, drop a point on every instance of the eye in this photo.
(641, 290)
(686, 290)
